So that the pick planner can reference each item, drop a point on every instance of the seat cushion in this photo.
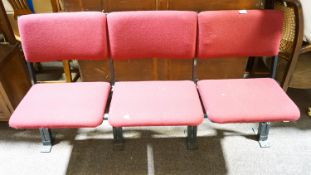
(155, 103)
(152, 34)
(65, 105)
(246, 100)
(61, 36)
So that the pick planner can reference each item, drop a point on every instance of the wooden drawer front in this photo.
(201, 5)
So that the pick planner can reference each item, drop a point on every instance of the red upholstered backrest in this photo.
(61, 36)
(148, 34)
(239, 33)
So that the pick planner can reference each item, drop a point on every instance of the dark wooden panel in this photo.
(128, 5)
(221, 68)
(72, 5)
(137, 69)
(162, 69)
(83, 5)
(5, 26)
(174, 69)
(5, 105)
(123, 5)
(92, 5)
(200, 5)
(13, 76)
(6, 50)
(153, 69)
(109, 5)
(94, 70)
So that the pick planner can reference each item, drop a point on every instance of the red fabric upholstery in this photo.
(154, 103)
(246, 100)
(145, 34)
(60, 36)
(231, 33)
(66, 105)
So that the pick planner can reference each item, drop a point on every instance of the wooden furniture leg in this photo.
(67, 71)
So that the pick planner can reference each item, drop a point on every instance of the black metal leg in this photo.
(118, 138)
(263, 132)
(194, 70)
(274, 64)
(249, 67)
(31, 73)
(192, 138)
(46, 138)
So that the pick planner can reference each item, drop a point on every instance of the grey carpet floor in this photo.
(223, 149)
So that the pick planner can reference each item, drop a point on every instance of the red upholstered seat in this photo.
(64, 36)
(242, 33)
(65, 105)
(152, 34)
(246, 100)
(154, 103)
(239, 33)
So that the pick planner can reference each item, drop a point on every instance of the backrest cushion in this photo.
(239, 33)
(148, 34)
(61, 36)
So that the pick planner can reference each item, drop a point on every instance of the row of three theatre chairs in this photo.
(152, 34)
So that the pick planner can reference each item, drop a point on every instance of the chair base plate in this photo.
(264, 144)
(46, 148)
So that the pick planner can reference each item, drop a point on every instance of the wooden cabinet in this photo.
(14, 81)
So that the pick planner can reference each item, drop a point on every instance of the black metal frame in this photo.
(46, 139)
(263, 128)
(31, 73)
(45, 133)
(194, 70)
(263, 132)
(274, 64)
(191, 140)
(112, 73)
(249, 67)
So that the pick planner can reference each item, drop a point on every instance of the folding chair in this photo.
(154, 34)
(62, 36)
(243, 33)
